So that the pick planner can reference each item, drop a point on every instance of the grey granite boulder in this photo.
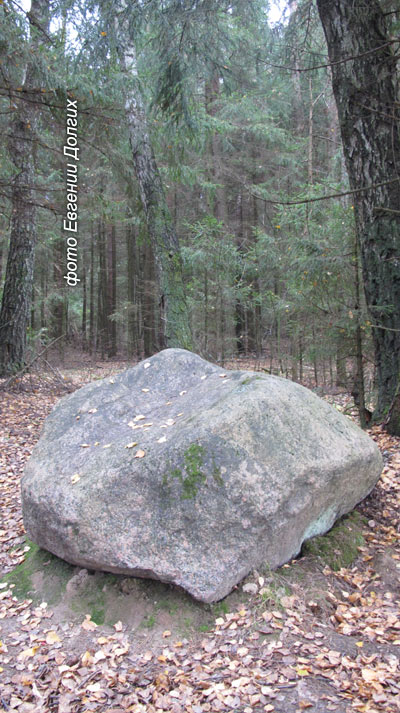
(179, 471)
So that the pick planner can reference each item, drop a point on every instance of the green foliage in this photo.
(235, 136)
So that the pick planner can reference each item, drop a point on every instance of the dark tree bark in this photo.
(58, 302)
(112, 292)
(149, 311)
(212, 95)
(240, 312)
(17, 295)
(92, 347)
(84, 308)
(133, 269)
(102, 312)
(43, 296)
(366, 93)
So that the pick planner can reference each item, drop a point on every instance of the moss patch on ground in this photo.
(37, 561)
(150, 607)
(339, 547)
(146, 606)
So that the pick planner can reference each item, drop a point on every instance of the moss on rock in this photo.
(192, 475)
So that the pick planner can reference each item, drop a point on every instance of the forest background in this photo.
(209, 146)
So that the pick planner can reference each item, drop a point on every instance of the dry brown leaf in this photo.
(27, 653)
(88, 624)
(52, 637)
(87, 659)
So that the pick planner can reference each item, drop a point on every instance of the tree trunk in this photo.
(365, 90)
(212, 94)
(392, 424)
(172, 301)
(150, 327)
(240, 312)
(133, 299)
(102, 321)
(174, 317)
(91, 293)
(57, 306)
(341, 354)
(358, 392)
(112, 292)
(84, 307)
(43, 295)
(17, 295)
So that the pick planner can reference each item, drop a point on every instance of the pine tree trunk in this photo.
(366, 92)
(17, 294)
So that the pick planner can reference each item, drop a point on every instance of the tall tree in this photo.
(16, 302)
(174, 317)
(362, 53)
(172, 301)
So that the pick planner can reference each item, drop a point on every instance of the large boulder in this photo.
(178, 471)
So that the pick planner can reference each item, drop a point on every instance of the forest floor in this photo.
(310, 636)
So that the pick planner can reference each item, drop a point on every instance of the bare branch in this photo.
(328, 197)
(331, 64)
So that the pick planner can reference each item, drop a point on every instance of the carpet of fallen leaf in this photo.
(300, 655)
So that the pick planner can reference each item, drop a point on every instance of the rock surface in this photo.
(178, 471)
